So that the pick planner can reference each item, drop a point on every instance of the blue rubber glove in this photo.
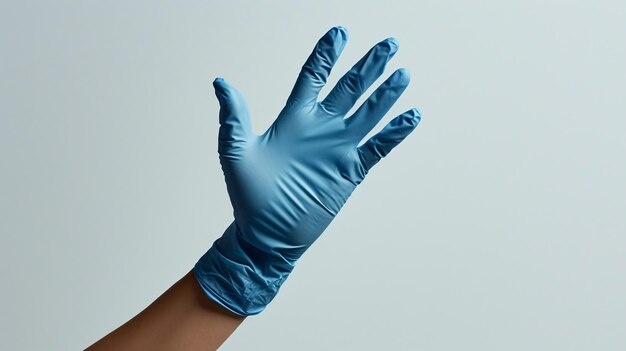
(288, 184)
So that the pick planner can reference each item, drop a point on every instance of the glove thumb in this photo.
(235, 128)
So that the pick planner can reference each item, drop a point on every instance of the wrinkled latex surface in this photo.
(288, 184)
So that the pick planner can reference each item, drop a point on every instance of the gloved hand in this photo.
(288, 184)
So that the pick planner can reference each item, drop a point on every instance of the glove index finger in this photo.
(316, 69)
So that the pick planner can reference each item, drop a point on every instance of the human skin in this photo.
(183, 318)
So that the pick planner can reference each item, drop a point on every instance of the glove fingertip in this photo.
(416, 115)
(343, 31)
(218, 82)
(393, 45)
(224, 91)
(410, 118)
(218, 85)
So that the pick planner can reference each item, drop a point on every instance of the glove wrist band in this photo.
(238, 276)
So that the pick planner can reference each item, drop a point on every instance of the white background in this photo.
(497, 225)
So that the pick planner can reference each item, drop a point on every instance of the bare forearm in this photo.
(183, 318)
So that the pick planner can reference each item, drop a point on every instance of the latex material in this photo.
(288, 184)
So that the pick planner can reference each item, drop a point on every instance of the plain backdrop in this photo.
(498, 225)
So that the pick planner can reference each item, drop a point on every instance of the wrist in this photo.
(239, 276)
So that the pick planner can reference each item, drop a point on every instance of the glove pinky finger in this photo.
(378, 146)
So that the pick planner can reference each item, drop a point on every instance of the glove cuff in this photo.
(238, 276)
